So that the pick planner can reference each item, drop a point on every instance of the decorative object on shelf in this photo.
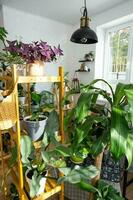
(84, 35)
(35, 54)
(83, 68)
(75, 83)
(89, 57)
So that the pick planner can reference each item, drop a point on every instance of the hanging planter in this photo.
(36, 68)
(75, 83)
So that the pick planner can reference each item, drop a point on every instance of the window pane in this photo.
(118, 42)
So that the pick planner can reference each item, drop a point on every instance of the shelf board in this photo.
(46, 195)
(38, 79)
(6, 78)
(86, 60)
(82, 71)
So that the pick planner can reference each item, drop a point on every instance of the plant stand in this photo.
(17, 171)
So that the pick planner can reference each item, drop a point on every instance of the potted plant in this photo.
(50, 158)
(34, 54)
(35, 125)
(109, 127)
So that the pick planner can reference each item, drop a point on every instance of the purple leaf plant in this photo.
(35, 51)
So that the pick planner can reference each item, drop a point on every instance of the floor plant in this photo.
(103, 127)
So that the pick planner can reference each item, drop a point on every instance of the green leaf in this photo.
(129, 94)
(64, 151)
(34, 185)
(87, 187)
(13, 158)
(75, 176)
(26, 148)
(120, 92)
(99, 145)
(83, 105)
(45, 156)
(65, 170)
(68, 118)
(129, 149)
(52, 124)
(119, 132)
(45, 141)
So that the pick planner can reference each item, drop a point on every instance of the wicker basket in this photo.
(8, 112)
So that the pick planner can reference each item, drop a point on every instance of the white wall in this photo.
(32, 27)
(28, 27)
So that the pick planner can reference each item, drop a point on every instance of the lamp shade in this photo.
(84, 35)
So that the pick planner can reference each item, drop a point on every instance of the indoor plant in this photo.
(109, 127)
(35, 123)
(50, 158)
(34, 54)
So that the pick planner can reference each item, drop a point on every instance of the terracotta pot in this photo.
(36, 68)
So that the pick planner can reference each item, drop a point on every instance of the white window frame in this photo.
(106, 54)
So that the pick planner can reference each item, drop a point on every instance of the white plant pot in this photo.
(35, 128)
(22, 100)
(42, 182)
(36, 68)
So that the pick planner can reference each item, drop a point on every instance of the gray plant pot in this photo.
(35, 128)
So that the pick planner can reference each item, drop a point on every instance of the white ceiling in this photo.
(66, 11)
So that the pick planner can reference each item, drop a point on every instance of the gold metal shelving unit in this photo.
(17, 171)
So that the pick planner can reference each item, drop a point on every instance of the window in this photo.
(117, 59)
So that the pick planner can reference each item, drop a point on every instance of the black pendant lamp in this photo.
(84, 35)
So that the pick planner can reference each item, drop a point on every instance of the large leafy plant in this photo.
(46, 159)
(110, 125)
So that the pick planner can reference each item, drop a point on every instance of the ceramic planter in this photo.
(35, 128)
(42, 182)
(36, 68)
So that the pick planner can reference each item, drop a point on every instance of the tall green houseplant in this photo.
(108, 127)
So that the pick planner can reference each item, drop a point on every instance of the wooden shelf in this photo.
(38, 79)
(86, 60)
(6, 78)
(82, 71)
